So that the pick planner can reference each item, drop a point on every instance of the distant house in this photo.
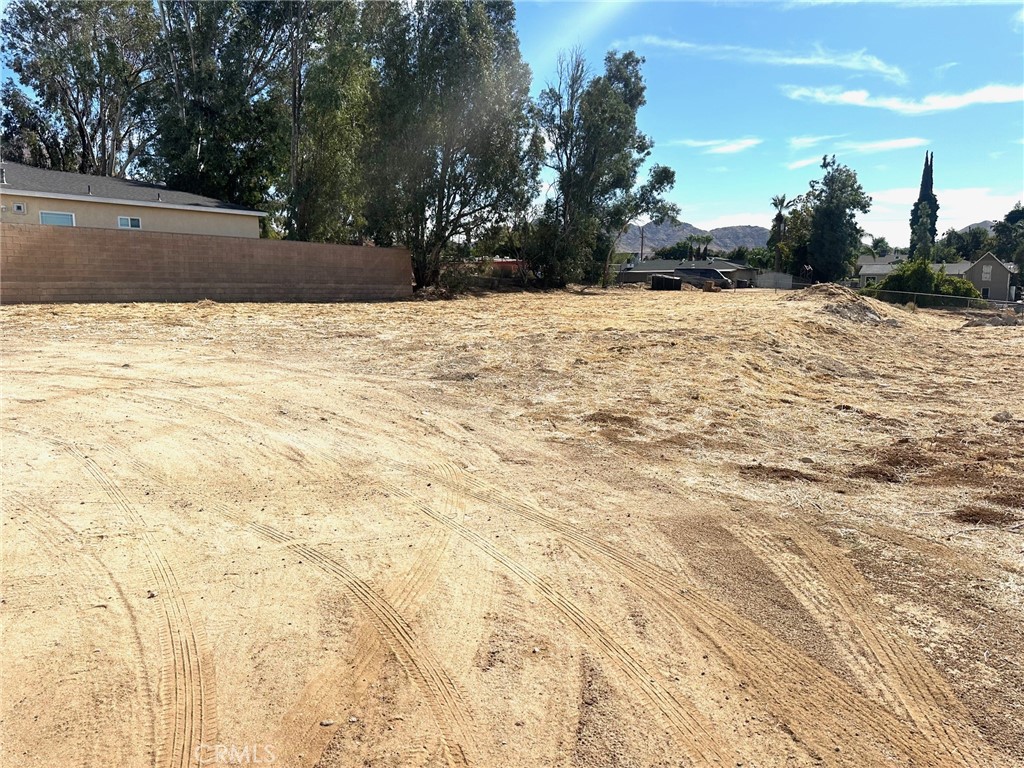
(641, 271)
(870, 274)
(988, 274)
(30, 195)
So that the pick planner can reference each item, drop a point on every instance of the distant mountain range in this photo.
(726, 238)
(664, 235)
(986, 225)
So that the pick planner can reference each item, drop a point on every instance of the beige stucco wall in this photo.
(104, 216)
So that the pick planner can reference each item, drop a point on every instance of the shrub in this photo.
(918, 277)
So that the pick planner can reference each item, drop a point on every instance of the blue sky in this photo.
(744, 98)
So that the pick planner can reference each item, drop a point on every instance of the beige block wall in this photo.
(104, 216)
(64, 264)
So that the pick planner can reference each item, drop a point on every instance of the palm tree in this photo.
(780, 203)
(879, 247)
(699, 245)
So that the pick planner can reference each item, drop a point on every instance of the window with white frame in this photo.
(128, 222)
(57, 218)
(986, 273)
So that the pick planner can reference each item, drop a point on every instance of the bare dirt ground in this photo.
(589, 529)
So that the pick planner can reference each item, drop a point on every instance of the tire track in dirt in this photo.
(698, 741)
(437, 687)
(440, 692)
(905, 677)
(56, 534)
(808, 588)
(660, 587)
(190, 720)
(800, 691)
(301, 732)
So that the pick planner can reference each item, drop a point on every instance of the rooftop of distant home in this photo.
(30, 181)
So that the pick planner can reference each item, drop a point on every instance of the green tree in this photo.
(925, 199)
(761, 258)
(222, 126)
(920, 236)
(89, 69)
(834, 237)
(326, 89)
(1009, 239)
(452, 149)
(738, 255)
(681, 251)
(595, 151)
(969, 245)
(700, 244)
(794, 245)
(777, 237)
(630, 204)
(29, 134)
(879, 248)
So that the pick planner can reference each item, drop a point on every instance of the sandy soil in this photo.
(574, 529)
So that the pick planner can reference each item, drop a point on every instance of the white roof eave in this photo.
(121, 201)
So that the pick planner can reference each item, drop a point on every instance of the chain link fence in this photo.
(941, 301)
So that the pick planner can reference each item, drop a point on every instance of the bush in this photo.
(457, 266)
(918, 277)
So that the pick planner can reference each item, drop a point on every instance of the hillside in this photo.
(745, 235)
(668, 234)
(986, 225)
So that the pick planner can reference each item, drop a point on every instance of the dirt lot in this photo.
(574, 529)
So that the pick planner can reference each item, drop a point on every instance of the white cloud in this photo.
(695, 142)
(940, 102)
(857, 61)
(732, 147)
(861, 148)
(805, 142)
(886, 145)
(1018, 20)
(890, 209)
(804, 163)
(716, 146)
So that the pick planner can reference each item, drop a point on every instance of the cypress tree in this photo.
(925, 197)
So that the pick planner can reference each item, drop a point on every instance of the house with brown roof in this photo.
(38, 196)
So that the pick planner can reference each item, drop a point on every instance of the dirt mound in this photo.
(822, 290)
(994, 320)
(844, 303)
